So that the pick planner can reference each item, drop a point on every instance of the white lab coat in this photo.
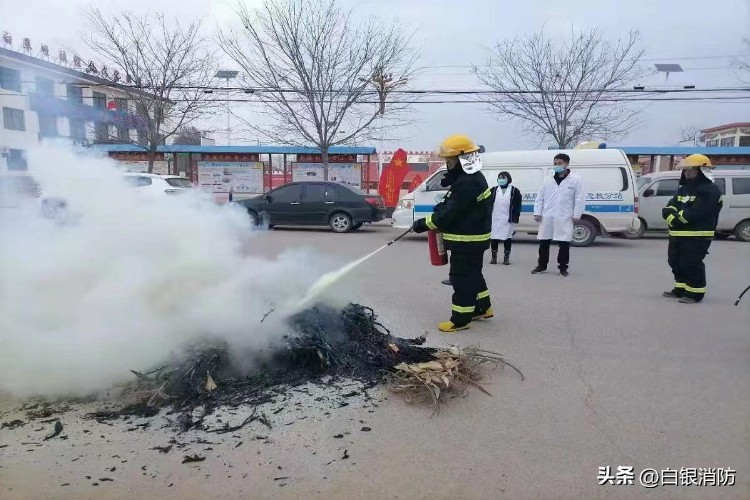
(558, 206)
(502, 229)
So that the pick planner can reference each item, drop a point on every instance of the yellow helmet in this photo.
(456, 145)
(695, 161)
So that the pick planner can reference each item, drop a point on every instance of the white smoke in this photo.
(123, 280)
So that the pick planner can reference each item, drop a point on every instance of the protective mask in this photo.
(502, 182)
(559, 169)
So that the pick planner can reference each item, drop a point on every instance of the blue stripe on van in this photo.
(529, 208)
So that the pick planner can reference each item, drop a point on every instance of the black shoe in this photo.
(538, 269)
(671, 294)
(493, 260)
(688, 300)
(564, 273)
(506, 259)
(446, 282)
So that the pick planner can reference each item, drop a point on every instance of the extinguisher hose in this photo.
(736, 302)
(399, 237)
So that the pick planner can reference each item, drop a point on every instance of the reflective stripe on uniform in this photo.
(681, 216)
(483, 295)
(464, 310)
(670, 218)
(683, 199)
(466, 238)
(484, 195)
(691, 233)
(679, 285)
(695, 290)
(429, 222)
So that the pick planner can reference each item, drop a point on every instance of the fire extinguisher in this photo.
(438, 253)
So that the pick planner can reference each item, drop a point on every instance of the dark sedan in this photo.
(344, 208)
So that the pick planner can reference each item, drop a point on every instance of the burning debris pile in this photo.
(349, 344)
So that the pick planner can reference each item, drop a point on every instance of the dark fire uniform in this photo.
(691, 215)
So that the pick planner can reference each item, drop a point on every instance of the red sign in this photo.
(229, 157)
(392, 177)
(415, 182)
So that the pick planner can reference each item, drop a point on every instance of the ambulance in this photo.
(608, 178)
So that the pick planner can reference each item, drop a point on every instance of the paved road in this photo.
(615, 374)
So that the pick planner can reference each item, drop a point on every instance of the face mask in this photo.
(559, 169)
(502, 182)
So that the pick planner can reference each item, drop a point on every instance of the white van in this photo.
(609, 180)
(657, 189)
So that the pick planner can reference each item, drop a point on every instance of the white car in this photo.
(158, 184)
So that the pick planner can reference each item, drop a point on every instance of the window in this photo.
(45, 86)
(75, 93)
(667, 187)
(13, 119)
(714, 143)
(47, 126)
(142, 138)
(741, 185)
(315, 193)
(434, 183)
(137, 180)
(101, 131)
(727, 142)
(121, 104)
(179, 182)
(721, 185)
(745, 140)
(16, 159)
(77, 130)
(10, 79)
(600, 178)
(123, 134)
(640, 183)
(287, 194)
(100, 100)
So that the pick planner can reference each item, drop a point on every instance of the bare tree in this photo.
(689, 133)
(566, 90)
(323, 78)
(188, 135)
(742, 63)
(167, 68)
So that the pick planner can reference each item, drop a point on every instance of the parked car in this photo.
(344, 208)
(158, 184)
(656, 189)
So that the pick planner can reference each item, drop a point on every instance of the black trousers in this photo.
(470, 293)
(507, 244)
(685, 256)
(563, 254)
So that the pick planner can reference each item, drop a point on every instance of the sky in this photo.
(704, 37)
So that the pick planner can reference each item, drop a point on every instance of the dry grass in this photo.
(451, 374)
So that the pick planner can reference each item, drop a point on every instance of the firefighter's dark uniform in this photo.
(691, 215)
(464, 218)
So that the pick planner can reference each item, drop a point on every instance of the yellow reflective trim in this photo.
(683, 199)
(679, 285)
(670, 218)
(464, 310)
(690, 233)
(466, 238)
(483, 295)
(429, 222)
(695, 290)
(681, 216)
(484, 195)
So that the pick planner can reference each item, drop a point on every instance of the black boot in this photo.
(494, 257)
(506, 259)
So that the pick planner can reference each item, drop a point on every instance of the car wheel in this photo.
(742, 231)
(357, 226)
(340, 222)
(636, 234)
(584, 233)
(254, 219)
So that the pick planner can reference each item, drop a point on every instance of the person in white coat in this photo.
(559, 203)
(506, 211)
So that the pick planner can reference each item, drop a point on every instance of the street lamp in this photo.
(226, 74)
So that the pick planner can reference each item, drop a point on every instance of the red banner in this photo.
(415, 182)
(392, 177)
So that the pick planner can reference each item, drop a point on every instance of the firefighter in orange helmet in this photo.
(464, 218)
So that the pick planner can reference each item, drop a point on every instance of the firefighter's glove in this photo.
(420, 226)
(667, 211)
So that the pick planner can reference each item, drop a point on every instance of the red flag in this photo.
(415, 182)
(111, 105)
(392, 177)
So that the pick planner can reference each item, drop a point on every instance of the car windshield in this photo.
(642, 182)
(180, 182)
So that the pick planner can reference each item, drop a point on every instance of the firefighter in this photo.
(464, 218)
(691, 215)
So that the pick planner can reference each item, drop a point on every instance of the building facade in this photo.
(728, 136)
(40, 99)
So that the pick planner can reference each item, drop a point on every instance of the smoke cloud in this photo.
(123, 280)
